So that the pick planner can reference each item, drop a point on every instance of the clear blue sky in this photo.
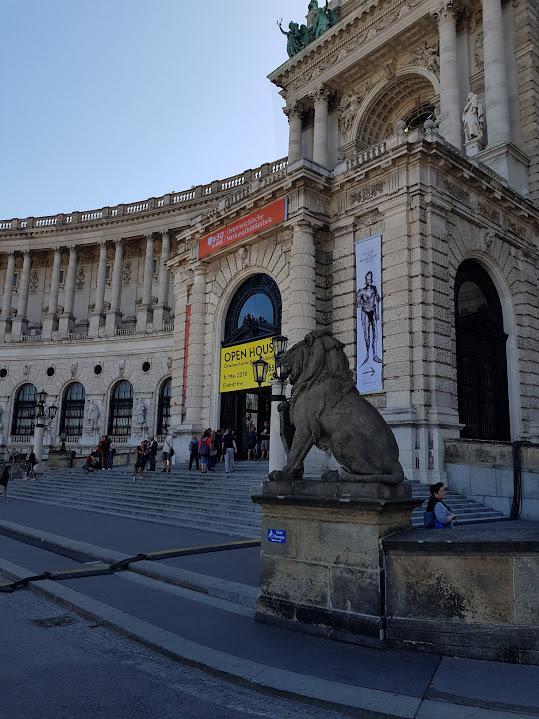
(109, 101)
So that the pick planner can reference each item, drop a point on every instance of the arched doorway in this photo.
(72, 416)
(481, 356)
(24, 411)
(121, 409)
(254, 313)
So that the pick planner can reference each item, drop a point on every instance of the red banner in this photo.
(186, 356)
(258, 221)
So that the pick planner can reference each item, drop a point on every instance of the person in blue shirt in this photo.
(443, 516)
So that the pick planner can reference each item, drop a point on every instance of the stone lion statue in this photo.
(328, 411)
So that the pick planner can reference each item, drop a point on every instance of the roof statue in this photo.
(299, 36)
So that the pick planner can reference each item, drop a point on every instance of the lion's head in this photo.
(319, 354)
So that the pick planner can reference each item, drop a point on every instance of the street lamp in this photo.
(41, 422)
(279, 343)
(260, 371)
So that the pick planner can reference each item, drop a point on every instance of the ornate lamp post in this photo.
(42, 420)
(260, 371)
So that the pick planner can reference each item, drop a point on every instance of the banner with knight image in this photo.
(369, 314)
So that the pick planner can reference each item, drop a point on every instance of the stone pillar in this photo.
(144, 312)
(295, 136)
(162, 309)
(450, 105)
(67, 320)
(114, 314)
(301, 307)
(96, 317)
(277, 452)
(51, 320)
(20, 322)
(5, 319)
(496, 90)
(195, 366)
(321, 136)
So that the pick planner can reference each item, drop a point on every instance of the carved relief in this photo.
(348, 109)
(459, 193)
(243, 258)
(486, 210)
(367, 193)
(80, 279)
(34, 283)
(126, 273)
(428, 56)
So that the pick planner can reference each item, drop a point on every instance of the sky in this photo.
(111, 101)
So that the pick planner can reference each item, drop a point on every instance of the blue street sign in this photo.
(277, 536)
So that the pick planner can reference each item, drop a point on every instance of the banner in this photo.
(369, 351)
(257, 221)
(237, 365)
(186, 356)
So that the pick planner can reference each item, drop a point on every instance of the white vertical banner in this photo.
(369, 352)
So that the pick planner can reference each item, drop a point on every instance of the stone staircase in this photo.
(214, 502)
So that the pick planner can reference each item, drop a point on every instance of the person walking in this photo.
(264, 441)
(107, 452)
(250, 440)
(443, 517)
(152, 454)
(168, 452)
(204, 446)
(142, 459)
(31, 463)
(102, 449)
(5, 477)
(229, 447)
(193, 453)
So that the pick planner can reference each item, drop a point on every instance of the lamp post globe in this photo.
(260, 371)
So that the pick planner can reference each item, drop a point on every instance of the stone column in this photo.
(114, 314)
(321, 137)
(5, 319)
(67, 320)
(51, 320)
(277, 453)
(295, 136)
(195, 366)
(301, 306)
(20, 322)
(99, 305)
(450, 105)
(496, 89)
(144, 312)
(162, 309)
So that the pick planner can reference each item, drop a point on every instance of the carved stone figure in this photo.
(428, 56)
(140, 413)
(243, 256)
(327, 411)
(348, 109)
(92, 416)
(473, 118)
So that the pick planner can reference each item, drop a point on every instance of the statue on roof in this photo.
(299, 36)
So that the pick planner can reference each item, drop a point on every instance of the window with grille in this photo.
(72, 417)
(163, 408)
(121, 409)
(24, 411)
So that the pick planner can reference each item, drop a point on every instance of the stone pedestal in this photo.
(19, 325)
(112, 321)
(50, 325)
(66, 324)
(327, 577)
(5, 328)
(96, 322)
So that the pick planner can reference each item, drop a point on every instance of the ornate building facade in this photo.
(413, 121)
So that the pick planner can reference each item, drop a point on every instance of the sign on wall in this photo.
(237, 365)
(257, 221)
(369, 351)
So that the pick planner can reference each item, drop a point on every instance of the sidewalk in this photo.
(221, 636)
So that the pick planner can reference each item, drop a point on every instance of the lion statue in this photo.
(327, 411)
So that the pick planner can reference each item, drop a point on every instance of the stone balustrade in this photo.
(198, 193)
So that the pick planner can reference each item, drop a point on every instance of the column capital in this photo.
(102, 243)
(72, 249)
(304, 224)
(25, 253)
(119, 242)
(321, 94)
(8, 253)
(295, 109)
(149, 236)
(445, 10)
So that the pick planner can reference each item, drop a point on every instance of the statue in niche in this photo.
(473, 119)
(140, 413)
(243, 256)
(92, 416)
(327, 411)
(348, 109)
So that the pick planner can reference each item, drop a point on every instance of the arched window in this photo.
(121, 409)
(163, 407)
(24, 411)
(481, 356)
(72, 416)
(255, 311)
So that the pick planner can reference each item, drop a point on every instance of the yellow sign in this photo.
(237, 365)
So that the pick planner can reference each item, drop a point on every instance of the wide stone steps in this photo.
(215, 502)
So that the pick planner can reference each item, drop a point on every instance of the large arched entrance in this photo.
(481, 356)
(254, 314)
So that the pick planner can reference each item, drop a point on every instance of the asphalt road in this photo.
(73, 668)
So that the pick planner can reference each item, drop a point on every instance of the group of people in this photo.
(212, 447)
(258, 443)
(102, 456)
(147, 457)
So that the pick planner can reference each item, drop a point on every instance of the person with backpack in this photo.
(168, 452)
(438, 515)
(193, 453)
(204, 448)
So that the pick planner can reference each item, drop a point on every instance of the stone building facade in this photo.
(413, 120)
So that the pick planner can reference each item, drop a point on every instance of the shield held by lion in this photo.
(327, 411)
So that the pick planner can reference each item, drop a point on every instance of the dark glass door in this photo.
(241, 410)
